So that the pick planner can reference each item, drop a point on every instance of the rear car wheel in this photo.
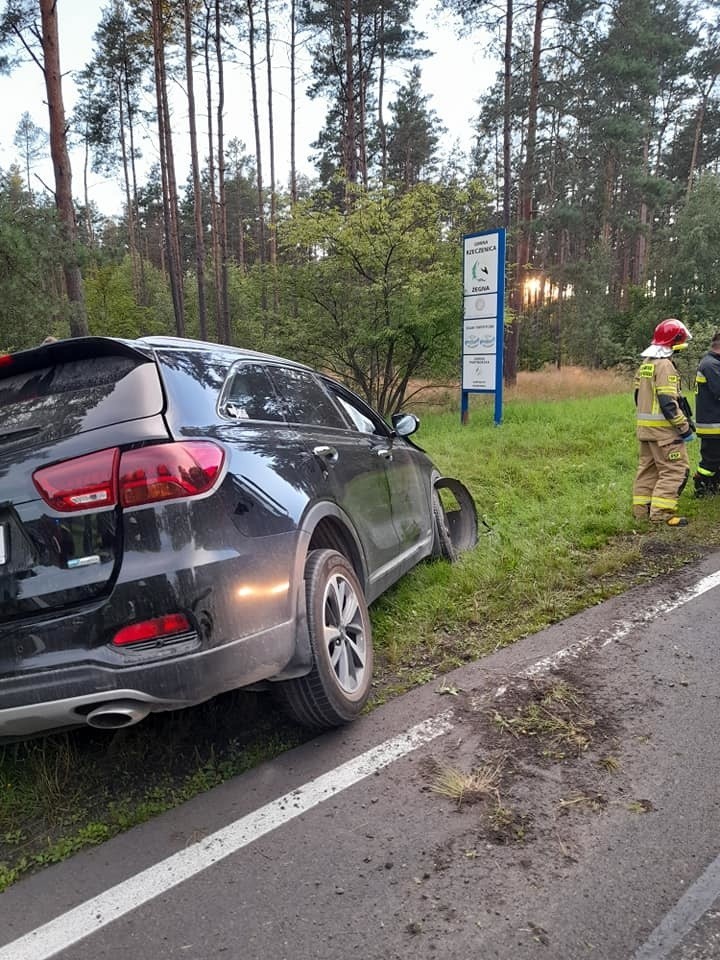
(338, 685)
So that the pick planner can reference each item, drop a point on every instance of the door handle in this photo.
(384, 452)
(327, 454)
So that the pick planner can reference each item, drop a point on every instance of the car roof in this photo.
(188, 343)
(74, 348)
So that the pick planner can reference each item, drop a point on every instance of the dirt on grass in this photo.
(657, 554)
(559, 732)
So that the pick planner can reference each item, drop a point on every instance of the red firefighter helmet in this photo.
(671, 333)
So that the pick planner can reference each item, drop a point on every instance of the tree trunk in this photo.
(224, 305)
(362, 105)
(639, 271)
(271, 136)
(144, 301)
(524, 248)
(197, 189)
(212, 178)
(512, 333)
(130, 211)
(88, 217)
(507, 112)
(696, 146)
(167, 170)
(61, 167)
(256, 124)
(293, 167)
(527, 177)
(382, 130)
(606, 228)
(349, 133)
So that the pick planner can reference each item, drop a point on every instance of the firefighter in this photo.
(664, 427)
(707, 414)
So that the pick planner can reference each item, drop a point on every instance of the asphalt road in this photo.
(599, 839)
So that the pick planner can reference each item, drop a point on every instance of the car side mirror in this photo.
(404, 424)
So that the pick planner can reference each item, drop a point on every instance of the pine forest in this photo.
(596, 146)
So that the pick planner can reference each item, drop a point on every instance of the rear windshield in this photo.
(80, 395)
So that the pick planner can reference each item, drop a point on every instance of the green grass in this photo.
(553, 484)
(73, 790)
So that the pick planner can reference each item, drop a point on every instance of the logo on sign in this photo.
(480, 271)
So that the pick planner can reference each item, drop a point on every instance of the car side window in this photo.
(362, 423)
(304, 399)
(363, 418)
(250, 395)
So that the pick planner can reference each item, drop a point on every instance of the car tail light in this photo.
(80, 484)
(169, 470)
(146, 630)
(5, 359)
(166, 471)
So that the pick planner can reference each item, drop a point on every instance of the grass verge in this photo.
(553, 487)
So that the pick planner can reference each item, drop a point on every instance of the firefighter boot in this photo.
(706, 483)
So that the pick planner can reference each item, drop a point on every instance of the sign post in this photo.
(483, 317)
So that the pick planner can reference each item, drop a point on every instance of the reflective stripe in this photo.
(648, 421)
(709, 429)
(663, 503)
(705, 473)
(699, 378)
(641, 501)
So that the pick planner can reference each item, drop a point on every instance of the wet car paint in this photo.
(231, 561)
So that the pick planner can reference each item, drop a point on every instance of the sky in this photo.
(454, 78)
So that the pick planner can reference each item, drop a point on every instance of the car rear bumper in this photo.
(63, 697)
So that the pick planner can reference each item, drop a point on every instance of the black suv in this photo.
(178, 519)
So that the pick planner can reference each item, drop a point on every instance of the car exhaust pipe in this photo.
(117, 714)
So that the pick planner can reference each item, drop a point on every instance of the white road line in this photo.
(622, 628)
(676, 924)
(88, 917)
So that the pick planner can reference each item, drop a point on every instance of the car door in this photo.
(407, 472)
(350, 465)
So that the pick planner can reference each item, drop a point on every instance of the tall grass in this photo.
(567, 383)
(553, 485)
(550, 383)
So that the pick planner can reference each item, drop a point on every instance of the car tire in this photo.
(443, 545)
(338, 685)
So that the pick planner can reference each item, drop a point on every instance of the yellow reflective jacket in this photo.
(657, 392)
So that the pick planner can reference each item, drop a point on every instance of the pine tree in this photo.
(413, 134)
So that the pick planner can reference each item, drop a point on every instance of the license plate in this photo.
(4, 544)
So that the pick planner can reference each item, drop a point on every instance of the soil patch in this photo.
(556, 746)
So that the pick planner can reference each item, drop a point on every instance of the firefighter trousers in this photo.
(710, 456)
(663, 469)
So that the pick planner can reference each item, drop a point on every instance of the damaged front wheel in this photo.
(455, 518)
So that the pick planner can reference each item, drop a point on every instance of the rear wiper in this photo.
(14, 435)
